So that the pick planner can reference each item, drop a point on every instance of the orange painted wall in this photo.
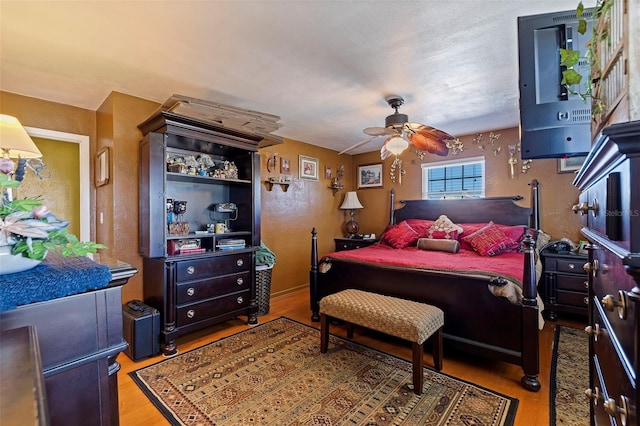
(557, 194)
(287, 217)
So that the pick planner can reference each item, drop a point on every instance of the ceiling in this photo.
(324, 67)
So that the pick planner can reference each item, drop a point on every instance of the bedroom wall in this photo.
(287, 217)
(557, 194)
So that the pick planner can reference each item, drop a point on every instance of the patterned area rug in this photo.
(569, 378)
(274, 374)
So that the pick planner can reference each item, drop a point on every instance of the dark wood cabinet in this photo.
(215, 173)
(609, 206)
(79, 337)
(352, 243)
(565, 284)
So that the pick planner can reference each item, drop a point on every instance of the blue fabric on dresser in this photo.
(55, 277)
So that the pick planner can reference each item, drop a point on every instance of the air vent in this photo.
(581, 115)
(572, 16)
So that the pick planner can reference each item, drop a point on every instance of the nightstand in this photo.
(353, 243)
(564, 284)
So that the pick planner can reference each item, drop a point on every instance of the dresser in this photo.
(609, 207)
(564, 285)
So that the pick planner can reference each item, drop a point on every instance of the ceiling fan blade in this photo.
(426, 138)
(358, 145)
(380, 131)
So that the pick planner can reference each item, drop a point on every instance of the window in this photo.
(453, 179)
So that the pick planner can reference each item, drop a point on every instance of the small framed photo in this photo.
(102, 167)
(328, 173)
(582, 247)
(570, 164)
(285, 166)
(308, 168)
(370, 176)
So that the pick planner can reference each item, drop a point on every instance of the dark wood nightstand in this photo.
(353, 243)
(564, 284)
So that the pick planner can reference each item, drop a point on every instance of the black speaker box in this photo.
(141, 329)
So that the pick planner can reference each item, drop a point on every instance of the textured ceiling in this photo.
(324, 67)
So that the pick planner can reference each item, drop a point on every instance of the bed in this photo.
(480, 317)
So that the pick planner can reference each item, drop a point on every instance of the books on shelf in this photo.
(231, 244)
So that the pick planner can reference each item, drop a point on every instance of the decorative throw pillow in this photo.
(490, 240)
(399, 236)
(421, 226)
(450, 246)
(444, 229)
(515, 232)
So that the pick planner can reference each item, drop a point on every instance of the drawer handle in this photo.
(344, 246)
(239, 262)
(612, 409)
(584, 207)
(240, 281)
(609, 303)
(239, 300)
(586, 284)
(191, 270)
(586, 300)
(593, 331)
(592, 268)
(191, 313)
(571, 266)
(191, 291)
(594, 395)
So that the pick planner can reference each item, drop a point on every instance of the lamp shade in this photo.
(14, 140)
(397, 144)
(351, 201)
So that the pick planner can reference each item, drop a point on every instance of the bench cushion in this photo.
(406, 319)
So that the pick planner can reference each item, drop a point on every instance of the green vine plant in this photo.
(569, 58)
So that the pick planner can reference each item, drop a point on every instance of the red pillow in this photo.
(490, 240)
(399, 236)
(421, 226)
(515, 232)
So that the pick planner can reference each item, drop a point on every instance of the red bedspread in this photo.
(506, 265)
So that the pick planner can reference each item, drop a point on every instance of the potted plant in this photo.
(28, 230)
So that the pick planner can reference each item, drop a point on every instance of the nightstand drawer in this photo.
(352, 243)
(571, 266)
(571, 283)
(571, 298)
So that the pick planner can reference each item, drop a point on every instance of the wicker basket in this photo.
(263, 288)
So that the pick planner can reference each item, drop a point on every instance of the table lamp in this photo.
(351, 203)
(15, 142)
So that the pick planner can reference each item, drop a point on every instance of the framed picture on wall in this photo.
(308, 168)
(570, 164)
(285, 166)
(102, 167)
(370, 176)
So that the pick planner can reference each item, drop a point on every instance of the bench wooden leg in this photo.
(418, 351)
(324, 333)
(350, 330)
(436, 345)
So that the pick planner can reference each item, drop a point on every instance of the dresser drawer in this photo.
(572, 283)
(611, 371)
(214, 266)
(197, 290)
(571, 266)
(613, 281)
(206, 309)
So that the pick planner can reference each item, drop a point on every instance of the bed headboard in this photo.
(502, 210)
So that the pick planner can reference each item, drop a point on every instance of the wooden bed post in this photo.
(535, 204)
(392, 207)
(313, 277)
(530, 337)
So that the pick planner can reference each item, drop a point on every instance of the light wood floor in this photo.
(533, 408)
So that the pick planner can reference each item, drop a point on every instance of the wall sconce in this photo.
(272, 163)
(512, 161)
(396, 171)
(351, 203)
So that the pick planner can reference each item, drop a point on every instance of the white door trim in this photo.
(83, 141)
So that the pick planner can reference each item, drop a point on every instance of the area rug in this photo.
(568, 404)
(274, 374)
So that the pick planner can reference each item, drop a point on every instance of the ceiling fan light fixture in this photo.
(397, 144)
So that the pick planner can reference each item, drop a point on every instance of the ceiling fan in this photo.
(400, 132)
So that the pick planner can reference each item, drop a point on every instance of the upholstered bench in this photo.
(405, 319)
